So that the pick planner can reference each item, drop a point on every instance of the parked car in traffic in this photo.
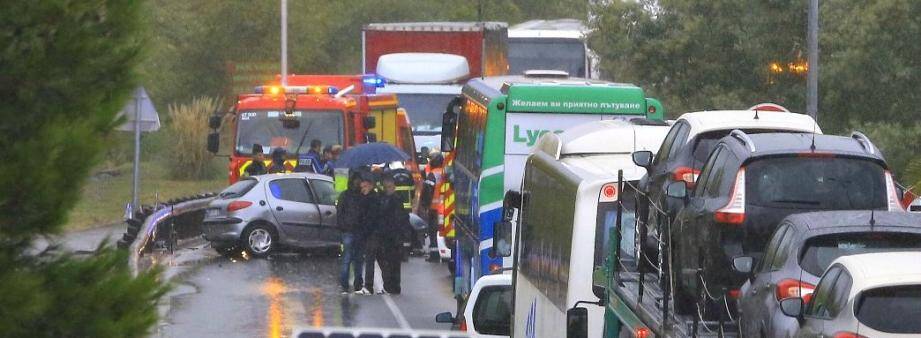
(687, 145)
(800, 250)
(749, 184)
(262, 213)
(488, 311)
(874, 295)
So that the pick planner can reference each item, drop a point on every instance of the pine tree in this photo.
(66, 67)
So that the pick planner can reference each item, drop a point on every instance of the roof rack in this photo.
(864, 142)
(744, 138)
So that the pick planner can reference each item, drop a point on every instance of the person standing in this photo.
(278, 161)
(369, 230)
(257, 166)
(394, 226)
(328, 162)
(431, 201)
(312, 161)
(348, 219)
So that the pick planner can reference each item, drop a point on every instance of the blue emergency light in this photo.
(373, 81)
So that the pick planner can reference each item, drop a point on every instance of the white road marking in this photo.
(404, 324)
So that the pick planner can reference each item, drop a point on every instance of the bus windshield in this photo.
(546, 54)
(425, 110)
(264, 127)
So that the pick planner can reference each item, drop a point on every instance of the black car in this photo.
(685, 149)
(802, 247)
(749, 184)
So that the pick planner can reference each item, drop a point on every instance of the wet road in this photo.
(270, 297)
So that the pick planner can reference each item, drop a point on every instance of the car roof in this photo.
(874, 270)
(605, 137)
(705, 121)
(767, 144)
(266, 177)
(820, 220)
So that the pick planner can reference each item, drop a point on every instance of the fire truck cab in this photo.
(335, 109)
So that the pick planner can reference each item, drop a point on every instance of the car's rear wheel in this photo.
(260, 240)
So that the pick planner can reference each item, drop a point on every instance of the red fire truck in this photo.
(335, 109)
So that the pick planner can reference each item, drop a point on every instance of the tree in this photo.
(703, 55)
(67, 68)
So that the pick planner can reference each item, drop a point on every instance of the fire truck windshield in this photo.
(425, 109)
(264, 127)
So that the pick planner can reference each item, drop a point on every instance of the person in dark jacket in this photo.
(278, 161)
(257, 167)
(349, 218)
(368, 230)
(394, 231)
(312, 161)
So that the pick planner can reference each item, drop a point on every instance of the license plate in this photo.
(212, 212)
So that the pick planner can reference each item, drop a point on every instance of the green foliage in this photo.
(898, 142)
(188, 133)
(67, 68)
(696, 55)
(692, 59)
(58, 295)
(196, 40)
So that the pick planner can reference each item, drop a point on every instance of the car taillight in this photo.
(237, 205)
(734, 293)
(734, 211)
(788, 288)
(892, 198)
(688, 175)
(845, 334)
(641, 332)
(463, 326)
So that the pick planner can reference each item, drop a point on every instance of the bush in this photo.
(188, 131)
(67, 68)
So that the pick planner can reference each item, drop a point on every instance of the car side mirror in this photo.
(792, 307)
(678, 190)
(743, 264)
(444, 317)
(577, 322)
(369, 122)
(214, 142)
(642, 158)
(214, 121)
(503, 239)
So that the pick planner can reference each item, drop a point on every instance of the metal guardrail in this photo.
(161, 223)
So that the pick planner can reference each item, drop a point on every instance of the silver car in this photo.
(262, 213)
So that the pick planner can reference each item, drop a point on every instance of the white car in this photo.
(488, 312)
(870, 295)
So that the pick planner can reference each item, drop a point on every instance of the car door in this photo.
(688, 234)
(292, 203)
(659, 175)
(817, 312)
(837, 320)
(756, 293)
(778, 272)
(325, 194)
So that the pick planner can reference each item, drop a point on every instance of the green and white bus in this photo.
(499, 121)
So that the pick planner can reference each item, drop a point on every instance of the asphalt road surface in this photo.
(270, 297)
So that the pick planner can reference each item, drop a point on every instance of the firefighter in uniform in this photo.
(432, 199)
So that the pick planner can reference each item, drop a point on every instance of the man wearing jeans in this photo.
(349, 219)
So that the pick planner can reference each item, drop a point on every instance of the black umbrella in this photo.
(368, 154)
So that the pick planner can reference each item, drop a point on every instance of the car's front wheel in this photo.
(260, 240)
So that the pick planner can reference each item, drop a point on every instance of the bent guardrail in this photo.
(168, 223)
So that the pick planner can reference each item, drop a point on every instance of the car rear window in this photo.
(875, 308)
(818, 252)
(493, 311)
(238, 189)
(706, 142)
(816, 183)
